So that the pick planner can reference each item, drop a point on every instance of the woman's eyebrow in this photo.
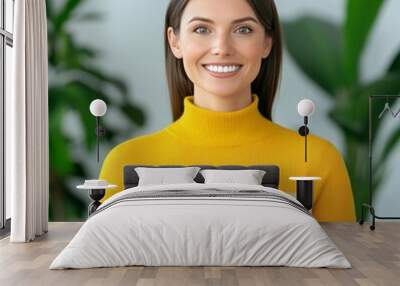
(249, 18)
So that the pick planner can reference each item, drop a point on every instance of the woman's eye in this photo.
(200, 29)
(245, 28)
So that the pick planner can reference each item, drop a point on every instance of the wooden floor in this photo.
(375, 256)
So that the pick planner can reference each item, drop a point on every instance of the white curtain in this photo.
(27, 124)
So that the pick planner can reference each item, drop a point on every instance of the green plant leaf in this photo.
(49, 9)
(316, 47)
(66, 13)
(101, 76)
(349, 121)
(68, 53)
(90, 16)
(350, 113)
(388, 84)
(395, 65)
(59, 156)
(360, 17)
(134, 113)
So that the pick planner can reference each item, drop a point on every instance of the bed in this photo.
(201, 224)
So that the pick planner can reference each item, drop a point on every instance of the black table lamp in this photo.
(304, 184)
(305, 108)
(97, 188)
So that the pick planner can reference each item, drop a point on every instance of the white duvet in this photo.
(200, 231)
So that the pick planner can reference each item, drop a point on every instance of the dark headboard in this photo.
(270, 179)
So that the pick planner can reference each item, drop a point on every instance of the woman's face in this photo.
(231, 48)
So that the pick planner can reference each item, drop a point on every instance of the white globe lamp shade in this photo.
(98, 107)
(305, 107)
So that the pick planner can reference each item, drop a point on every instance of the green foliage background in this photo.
(74, 82)
(330, 55)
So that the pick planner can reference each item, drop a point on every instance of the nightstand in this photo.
(97, 190)
(304, 190)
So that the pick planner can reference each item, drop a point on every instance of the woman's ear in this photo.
(267, 46)
(173, 41)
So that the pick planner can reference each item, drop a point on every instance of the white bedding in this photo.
(200, 231)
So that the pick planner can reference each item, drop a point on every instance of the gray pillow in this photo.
(162, 176)
(248, 176)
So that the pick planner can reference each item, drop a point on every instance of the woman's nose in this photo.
(222, 45)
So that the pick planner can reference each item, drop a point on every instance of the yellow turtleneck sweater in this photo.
(242, 137)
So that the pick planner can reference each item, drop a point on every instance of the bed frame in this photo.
(270, 179)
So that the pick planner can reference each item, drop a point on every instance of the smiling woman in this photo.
(221, 58)
(223, 71)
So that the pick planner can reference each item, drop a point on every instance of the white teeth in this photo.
(222, 69)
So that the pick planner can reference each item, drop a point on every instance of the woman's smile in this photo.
(222, 71)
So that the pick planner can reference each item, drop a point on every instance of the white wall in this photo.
(131, 38)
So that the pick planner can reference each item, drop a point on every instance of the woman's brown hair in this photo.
(266, 83)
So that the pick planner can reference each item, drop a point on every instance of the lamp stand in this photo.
(303, 131)
(100, 131)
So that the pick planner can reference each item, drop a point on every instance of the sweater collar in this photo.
(200, 126)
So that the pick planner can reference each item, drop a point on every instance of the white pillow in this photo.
(162, 176)
(249, 177)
